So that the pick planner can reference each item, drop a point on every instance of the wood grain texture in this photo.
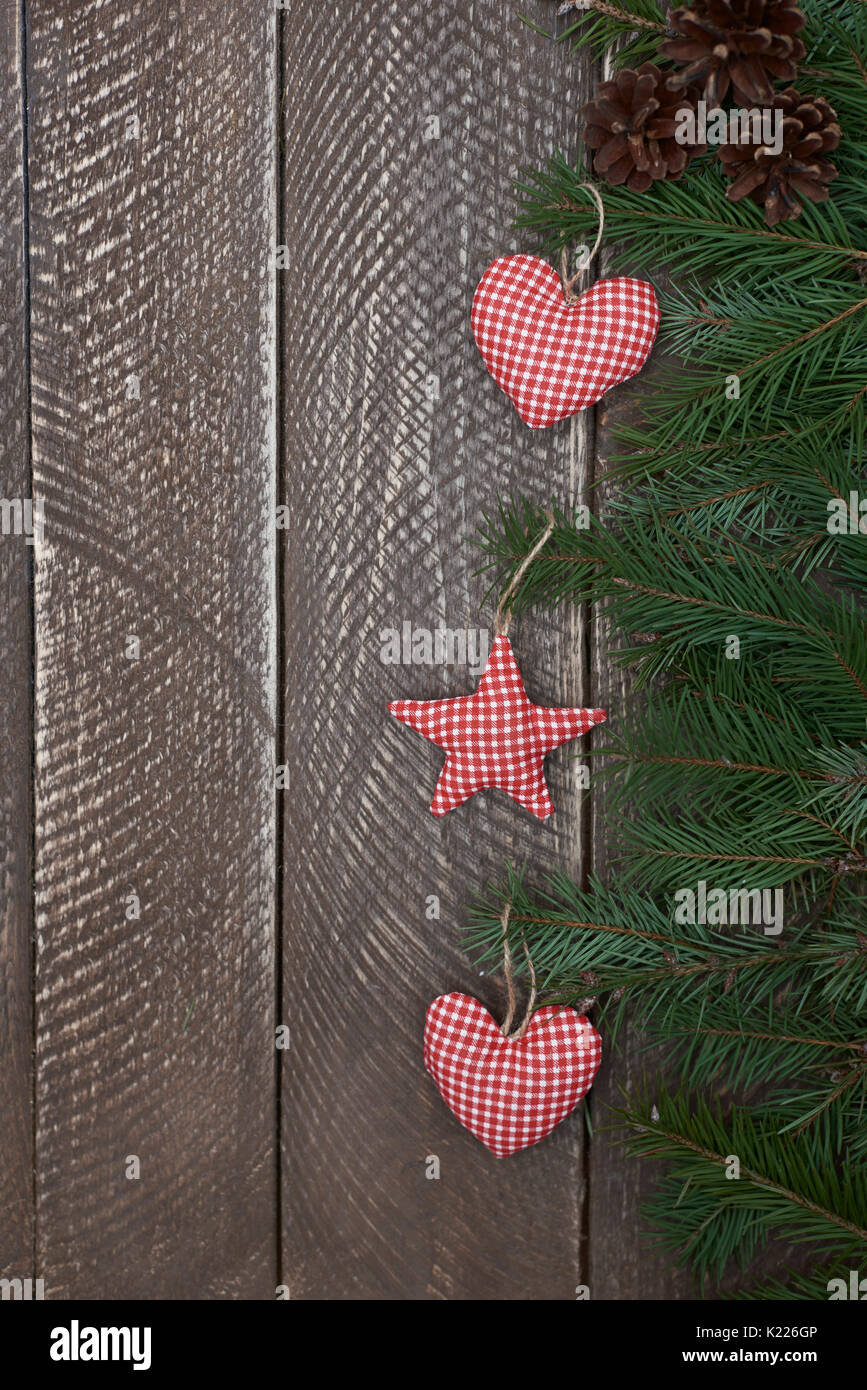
(395, 441)
(152, 149)
(16, 916)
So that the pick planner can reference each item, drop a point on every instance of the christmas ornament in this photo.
(781, 182)
(554, 353)
(745, 45)
(509, 1092)
(631, 124)
(509, 1089)
(496, 737)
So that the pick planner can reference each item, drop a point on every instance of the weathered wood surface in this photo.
(153, 142)
(152, 153)
(404, 124)
(16, 1082)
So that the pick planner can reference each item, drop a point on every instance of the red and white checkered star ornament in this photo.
(509, 1091)
(495, 738)
(551, 357)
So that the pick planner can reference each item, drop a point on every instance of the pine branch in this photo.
(779, 497)
(813, 1287)
(844, 795)
(690, 228)
(782, 1188)
(814, 1065)
(620, 944)
(780, 352)
(687, 598)
(731, 574)
(629, 33)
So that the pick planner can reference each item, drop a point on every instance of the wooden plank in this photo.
(152, 149)
(404, 126)
(16, 915)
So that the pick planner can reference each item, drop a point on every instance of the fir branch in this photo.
(770, 343)
(690, 228)
(813, 1286)
(782, 1189)
(737, 775)
(628, 35)
(626, 945)
(705, 598)
(651, 17)
(844, 798)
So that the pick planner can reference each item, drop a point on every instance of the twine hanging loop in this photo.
(568, 282)
(502, 619)
(510, 983)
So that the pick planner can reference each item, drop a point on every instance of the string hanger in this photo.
(510, 983)
(502, 619)
(568, 282)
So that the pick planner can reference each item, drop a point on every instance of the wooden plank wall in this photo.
(170, 147)
(404, 125)
(16, 728)
(152, 224)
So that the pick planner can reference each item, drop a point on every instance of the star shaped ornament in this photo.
(495, 738)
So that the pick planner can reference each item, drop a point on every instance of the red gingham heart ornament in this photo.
(509, 1092)
(553, 358)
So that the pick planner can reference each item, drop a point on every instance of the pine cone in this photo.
(799, 171)
(631, 126)
(742, 44)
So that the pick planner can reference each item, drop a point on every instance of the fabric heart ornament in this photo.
(509, 1092)
(552, 357)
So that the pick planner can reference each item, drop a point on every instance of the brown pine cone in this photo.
(631, 126)
(743, 44)
(799, 171)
